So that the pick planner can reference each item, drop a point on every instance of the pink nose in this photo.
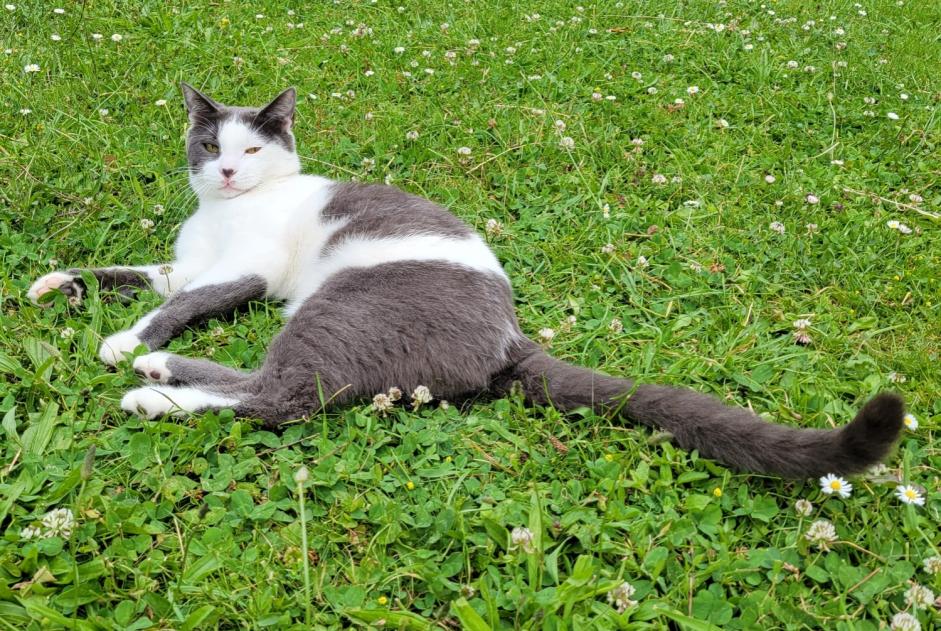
(227, 173)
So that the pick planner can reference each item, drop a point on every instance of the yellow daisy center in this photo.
(835, 485)
(911, 494)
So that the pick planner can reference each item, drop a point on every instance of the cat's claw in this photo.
(147, 403)
(153, 367)
(65, 283)
(115, 347)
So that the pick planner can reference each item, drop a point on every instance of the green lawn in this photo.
(763, 198)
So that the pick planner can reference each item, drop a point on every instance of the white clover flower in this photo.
(904, 622)
(908, 494)
(679, 102)
(521, 538)
(55, 37)
(896, 377)
(368, 73)
(382, 403)
(369, 164)
(821, 533)
(803, 323)
(658, 179)
(668, 58)
(616, 326)
(160, 102)
(748, 46)
(692, 90)
(146, 224)
(607, 248)
(642, 261)
(158, 209)
(395, 394)
(597, 96)
(546, 334)
(904, 229)
(493, 227)
(722, 123)
(777, 226)
(420, 395)
(893, 116)
(932, 565)
(411, 135)
(104, 111)
(10, 7)
(398, 50)
(637, 76)
(30, 532)
(637, 142)
(116, 37)
(66, 333)
(919, 596)
(831, 484)
(651, 90)
(903, 96)
(812, 199)
(811, 228)
(567, 143)
(620, 597)
(29, 68)
(301, 475)
(770, 179)
(915, 198)
(26, 111)
(58, 523)
(559, 125)
(910, 421)
(803, 508)
(97, 36)
(463, 151)
(792, 65)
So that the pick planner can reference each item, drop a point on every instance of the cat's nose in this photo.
(227, 172)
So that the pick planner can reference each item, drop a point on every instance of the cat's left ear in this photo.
(281, 110)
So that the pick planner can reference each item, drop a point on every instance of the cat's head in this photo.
(232, 150)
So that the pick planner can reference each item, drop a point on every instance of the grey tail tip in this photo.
(875, 429)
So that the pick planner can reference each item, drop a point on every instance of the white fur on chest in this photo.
(272, 233)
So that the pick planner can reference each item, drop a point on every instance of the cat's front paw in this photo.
(148, 403)
(153, 367)
(115, 347)
(69, 284)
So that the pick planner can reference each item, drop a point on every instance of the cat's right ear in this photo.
(198, 104)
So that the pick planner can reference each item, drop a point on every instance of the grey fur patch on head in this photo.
(273, 122)
(377, 211)
(187, 307)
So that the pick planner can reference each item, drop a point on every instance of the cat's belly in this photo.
(359, 252)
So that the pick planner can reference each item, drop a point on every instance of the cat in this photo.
(386, 289)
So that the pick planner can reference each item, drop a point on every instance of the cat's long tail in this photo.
(734, 436)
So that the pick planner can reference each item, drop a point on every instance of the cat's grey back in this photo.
(375, 211)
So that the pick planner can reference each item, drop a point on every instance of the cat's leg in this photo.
(125, 281)
(153, 401)
(203, 298)
(167, 368)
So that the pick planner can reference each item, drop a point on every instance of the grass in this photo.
(196, 524)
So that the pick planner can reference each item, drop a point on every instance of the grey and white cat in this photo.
(385, 289)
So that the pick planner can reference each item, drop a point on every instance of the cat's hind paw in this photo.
(68, 284)
(154, 367)
(148, 402)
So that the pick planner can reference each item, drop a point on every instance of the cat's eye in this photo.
(210, 147)
(253, 150)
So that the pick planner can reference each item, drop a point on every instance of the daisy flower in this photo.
(910, 422)
(910, 495)
(831, 484)
(28, 68)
